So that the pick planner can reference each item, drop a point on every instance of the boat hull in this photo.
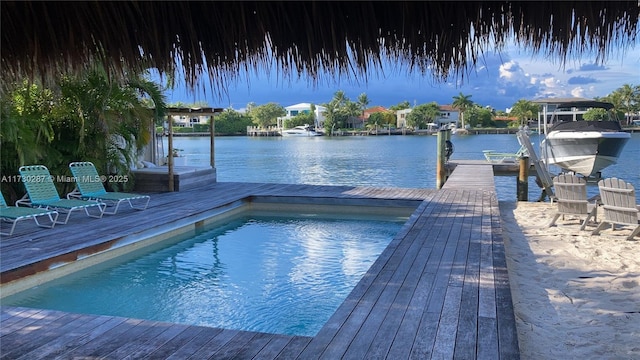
(301, 134)
(585, 153)
(300, 131)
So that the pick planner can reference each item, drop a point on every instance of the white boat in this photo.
(302, 130)
(583, 147)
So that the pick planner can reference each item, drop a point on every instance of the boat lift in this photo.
(542, 174)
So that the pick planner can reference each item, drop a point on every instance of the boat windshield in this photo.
(587, 126)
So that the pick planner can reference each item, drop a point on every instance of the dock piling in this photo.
(522, 187)
(441, 170)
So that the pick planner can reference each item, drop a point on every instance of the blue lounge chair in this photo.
(13, 214)
(42, 193)
(89, 187)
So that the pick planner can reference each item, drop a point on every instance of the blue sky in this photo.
(498, 80)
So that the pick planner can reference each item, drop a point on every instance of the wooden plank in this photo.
(15, 319)
(293, 349)
(21, 344)
(507, 333)
(154, 336)
(400, 265)
(467, 335)
(428, 295)
(445, 340)
(437, 270)
(110, 340)
(277, 344)
(215, 344)
(238, 343)
(197, 342)
(49, 339)
(405, 338)
(172, 345)
(70, 339)
(250, 349)
(402, 309)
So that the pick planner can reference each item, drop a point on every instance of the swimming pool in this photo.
(260, 271)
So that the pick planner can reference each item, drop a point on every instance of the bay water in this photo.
(380, 161)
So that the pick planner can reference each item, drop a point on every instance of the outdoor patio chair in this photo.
(496, 157)
(42, 193)
(571, 196)
(619, 203)
(89, 187)
(13, 214)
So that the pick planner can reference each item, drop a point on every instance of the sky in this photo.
(498, 80)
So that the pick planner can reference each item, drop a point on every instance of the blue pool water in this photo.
(269, 274)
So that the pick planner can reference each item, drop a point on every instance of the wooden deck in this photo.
(439, 290)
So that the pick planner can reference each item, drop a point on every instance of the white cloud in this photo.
(550, 83)
(498, 80)
(510, 70)
(578, 92)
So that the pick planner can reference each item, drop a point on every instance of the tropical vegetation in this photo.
(525, 111)
(85, 117)
(89, 117)
(423, 114)
(462, 102)
(341, 112)
(626, 101)
(266, 115)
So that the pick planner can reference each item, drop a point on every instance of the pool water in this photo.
(260, 273)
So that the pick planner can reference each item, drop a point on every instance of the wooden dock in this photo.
(440, 290)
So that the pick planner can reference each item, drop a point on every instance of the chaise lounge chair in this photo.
(619, 203)
(89, 187)
(13, 214)
(496, 157)
(42, 193)
(571, 195)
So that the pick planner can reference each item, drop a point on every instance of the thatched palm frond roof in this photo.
(303, 38)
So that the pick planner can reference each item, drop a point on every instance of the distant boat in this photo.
(302, 130)
(584, 147)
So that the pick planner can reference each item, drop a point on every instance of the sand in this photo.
(575, 295)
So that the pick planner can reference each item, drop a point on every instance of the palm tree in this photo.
(363, 101)
(87, 117)
(351, 110)
(628, 96)
(312, 110)
(340, 98)
(524, 110)
(462, 103)
(26, 131)
(423, 114)
(329, 113)
(108, 121)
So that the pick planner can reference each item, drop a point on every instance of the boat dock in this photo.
(257, 131)
(440, 290)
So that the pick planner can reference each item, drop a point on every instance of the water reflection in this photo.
(382, 161)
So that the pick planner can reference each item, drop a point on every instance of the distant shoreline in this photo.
(479, 131)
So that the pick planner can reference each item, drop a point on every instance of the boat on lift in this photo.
(579, 146)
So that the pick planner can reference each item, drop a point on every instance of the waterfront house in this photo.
(189, 120)
(359, 122)
(303, 108)
(448, 115)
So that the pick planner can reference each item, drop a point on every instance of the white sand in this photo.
(576, 295)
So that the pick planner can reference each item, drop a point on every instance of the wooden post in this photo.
(522, 187)
(441, 173)
(170, 155)
(212, 131)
